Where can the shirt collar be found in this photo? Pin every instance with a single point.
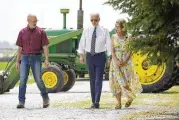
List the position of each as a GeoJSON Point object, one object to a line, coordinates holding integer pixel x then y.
{"type": "Point", "coordinates": [95, 26]}
{"type": "Point", "coordinates": [30, 29]}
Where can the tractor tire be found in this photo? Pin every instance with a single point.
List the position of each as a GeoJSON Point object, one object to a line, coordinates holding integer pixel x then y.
{"type": "Point", "coordinates": [8, 90]}
{"type": "Point", "coordinates": [177, 83]}
{"type": "Point", "coordinates": [53, 78]}
{"type": "Point", "coordinates": [155, 78]}
{"type": "Point", "coordinates": [14, 82]}
{"type": "Point", "coordinates": [173, 79]}
{"type": "Point", "coordinates": [1, 84]}
{"type": "Point", "coordinates": [69, 81]}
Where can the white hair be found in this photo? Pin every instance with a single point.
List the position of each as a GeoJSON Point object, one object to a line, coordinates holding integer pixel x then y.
{"type": "Point", "coordinates": [95, 14]}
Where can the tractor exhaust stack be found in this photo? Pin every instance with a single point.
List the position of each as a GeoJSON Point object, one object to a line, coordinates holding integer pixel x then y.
{"type": "Point", "coordinates": [64, 12]}
{"type": "Point", "coordinates": [80, 17]}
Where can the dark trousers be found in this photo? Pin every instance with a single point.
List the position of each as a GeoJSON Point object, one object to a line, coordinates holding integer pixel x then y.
{"type": "Point", "coordinates": [96, 64]}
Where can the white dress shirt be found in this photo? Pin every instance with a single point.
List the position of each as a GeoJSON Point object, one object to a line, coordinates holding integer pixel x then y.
{"type": "Point", "coordinates": [102, 44]}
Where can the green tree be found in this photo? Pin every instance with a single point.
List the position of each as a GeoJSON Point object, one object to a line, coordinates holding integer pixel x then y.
{"type": "Point", "coordinates": [159, 22]}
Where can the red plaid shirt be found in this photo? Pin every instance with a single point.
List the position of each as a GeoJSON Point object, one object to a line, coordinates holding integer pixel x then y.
{"type": "Point", "coordinates": [32, 40]}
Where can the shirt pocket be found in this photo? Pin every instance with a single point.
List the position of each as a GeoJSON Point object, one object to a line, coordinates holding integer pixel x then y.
{"type": "Point", "coordinates": [37, 41]}
{"type": "Point", "coordinates": [87, 41]}
{"type": "Point", "coordinates": [100, 41]}
{"type": "Point", "coordinates": [25, 40]}
{"type": "Point", "coordinates": [37, 38]}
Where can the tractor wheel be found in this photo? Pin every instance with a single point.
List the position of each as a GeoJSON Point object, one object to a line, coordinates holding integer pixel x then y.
{"type": "Point", "coordinates": [69, 79]}
{"type": "Point", "coordinates": [177, 83]}
{"type": "Point", "coordinates": [1, 84]}
{"type": "Point", "coordinates": [53, 78]}
{"type": "Point", "coordinates": [173, 79]}
{"type": "Point", "coordinates": [155, 78]}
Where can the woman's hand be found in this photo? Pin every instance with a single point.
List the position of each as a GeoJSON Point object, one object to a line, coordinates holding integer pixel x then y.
{"type": "Point", "coordinates": [120, 63]}
{"type": "Point", "coordinates": [123, 63]}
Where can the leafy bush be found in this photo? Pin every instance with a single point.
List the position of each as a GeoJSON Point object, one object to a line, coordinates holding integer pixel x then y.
{"type": "Point", "coordinates": [158, 20]}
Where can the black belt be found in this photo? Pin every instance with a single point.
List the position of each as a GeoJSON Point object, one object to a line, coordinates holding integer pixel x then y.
{"type": "Point", "coordinates": [32, 53]}
{"type": "Point", "coordinates": [96, 53]}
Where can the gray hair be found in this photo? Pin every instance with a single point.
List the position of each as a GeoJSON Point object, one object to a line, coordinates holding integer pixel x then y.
{"type": "Point", "coordinates": [31, 15]}
{"type": "Point", "coordinates": [95, 14]}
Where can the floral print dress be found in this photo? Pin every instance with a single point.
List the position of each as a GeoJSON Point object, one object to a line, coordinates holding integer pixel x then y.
{"type": "Point", "coordinates": [125, 75]}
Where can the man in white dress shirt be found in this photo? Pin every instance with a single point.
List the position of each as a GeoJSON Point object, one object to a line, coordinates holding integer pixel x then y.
{"type": "Point", "coordinates": [95, 40]}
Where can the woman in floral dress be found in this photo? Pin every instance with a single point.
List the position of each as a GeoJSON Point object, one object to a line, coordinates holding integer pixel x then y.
{"type": "Point", "coordinates": [122, 76]}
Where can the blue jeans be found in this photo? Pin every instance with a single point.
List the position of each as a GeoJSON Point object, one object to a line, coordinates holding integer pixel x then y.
{"type": "Point", "coordinates": [33, 62]}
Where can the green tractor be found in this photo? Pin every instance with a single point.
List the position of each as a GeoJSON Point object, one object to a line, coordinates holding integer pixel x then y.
{"type": "Point", "coordinates": [65, 66]}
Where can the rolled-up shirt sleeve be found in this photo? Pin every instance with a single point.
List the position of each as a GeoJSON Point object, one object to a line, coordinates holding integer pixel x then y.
{"type": "Point", "coordinates": [45, 40]}
{"type": "Point", "coordinates": [81, 46]}
{"type": "Point", "coordinates": [19, 40]}
{"type": "Point", "coordinates": [108, 43]}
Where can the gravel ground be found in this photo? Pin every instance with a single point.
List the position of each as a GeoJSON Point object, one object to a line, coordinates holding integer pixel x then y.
{"type": "Point", "coordinates": [34, 111]}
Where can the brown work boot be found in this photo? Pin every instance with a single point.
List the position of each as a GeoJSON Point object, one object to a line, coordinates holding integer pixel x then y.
{"type": "Point", "coordinates": [46, 102]}
{"type": "Point", "coordinates": [20, 106]}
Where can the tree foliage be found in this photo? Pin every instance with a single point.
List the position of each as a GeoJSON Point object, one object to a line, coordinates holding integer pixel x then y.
{"type": "Point", "coordinates": [159, 22]}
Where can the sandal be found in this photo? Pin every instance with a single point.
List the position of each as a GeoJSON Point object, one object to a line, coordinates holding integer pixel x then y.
{"type": "Point", "coordinates": [118, 106]}
{"type": "Point", "coordinates": [128, 103]}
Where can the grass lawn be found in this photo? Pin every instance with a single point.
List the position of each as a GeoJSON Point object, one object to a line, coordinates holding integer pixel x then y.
{"type": "Point", "coordinates": [30, 81]}
{"type": "Point", "coordinates": [2, 65]}
{"type": "Point", "coordinates": [167, 98]}
{"type": "Point", "coordinates": [158, 101]}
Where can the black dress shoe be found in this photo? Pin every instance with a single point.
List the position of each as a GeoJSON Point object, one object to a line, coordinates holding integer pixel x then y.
{"type": "Point", "coordinates": [96, 105]}
{"type": "Point", "coordinates": [20, 106]}
{"type": "Point", "coordinates": [92, 106]}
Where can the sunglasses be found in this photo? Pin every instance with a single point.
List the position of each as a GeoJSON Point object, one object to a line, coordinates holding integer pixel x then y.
{"type": "Point", "coordinates": [95, 20]}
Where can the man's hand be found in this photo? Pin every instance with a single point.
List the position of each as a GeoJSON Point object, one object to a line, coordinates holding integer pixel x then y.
{"type": "Point", "coordinates": [46, 64]}
{"type": "Point", "coordinates": [81, 59]}
{"type": "Point", "coordinates": [45, 48]}
{"type": "Point", "coordinates": [108, 62]}
{"type": "Point", "coordinates": [17, 66]}
{"type": "Point", "coordinates": [18, 59]}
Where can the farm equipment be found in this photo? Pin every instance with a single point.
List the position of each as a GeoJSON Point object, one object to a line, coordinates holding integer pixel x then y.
{"type": "Point", "coordinates": [65, 66]}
